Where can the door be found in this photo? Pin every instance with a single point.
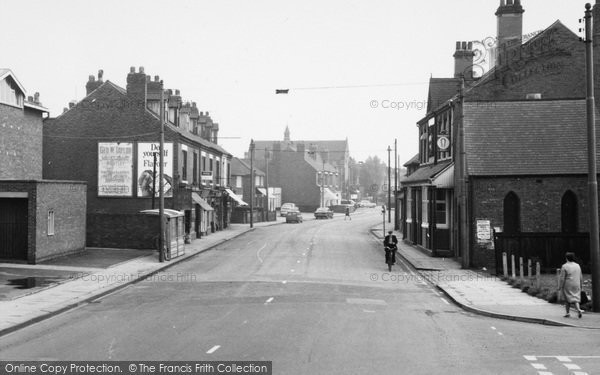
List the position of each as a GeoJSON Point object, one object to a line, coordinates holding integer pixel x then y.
{"type": "Point", "coordinates": [13, 228]}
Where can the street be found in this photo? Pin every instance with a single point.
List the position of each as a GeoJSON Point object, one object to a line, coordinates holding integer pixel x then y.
{"type": "Point", "coordinates": [314, 298]}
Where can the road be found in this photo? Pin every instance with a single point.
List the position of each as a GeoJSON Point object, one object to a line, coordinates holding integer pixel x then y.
{"type": "Point", "coordinates": [314, 298]}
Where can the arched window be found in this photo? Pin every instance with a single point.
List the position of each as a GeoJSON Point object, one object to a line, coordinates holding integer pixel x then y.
{"type": "Point", "coordinates": [568, 212]}
{"type": "Point", "coordinates": [512, 213]}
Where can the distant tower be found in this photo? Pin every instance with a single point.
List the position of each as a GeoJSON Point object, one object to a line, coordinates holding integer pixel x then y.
{"type": "Point", "coordinates": [509, 25]}
{"type": "Point", "coordinates": [286, 134]}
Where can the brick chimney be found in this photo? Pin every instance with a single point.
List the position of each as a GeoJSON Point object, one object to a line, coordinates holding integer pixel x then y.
{"type": "Point", "coordinates": [92, 84]}
{"type": "Point", "coordinates": [509, 25]}
{"type": "Point", "coordinates": [137, 86]}
{"type": "Point", "coordinates": [463, 60]}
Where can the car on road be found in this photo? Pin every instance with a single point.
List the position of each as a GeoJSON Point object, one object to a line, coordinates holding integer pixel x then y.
{"type": "Point", "coordinates": [293, 216]}
{"type": "Point", "coordinates": [366, 203]}
{"type": "Point", "coordinates": [286, 207]}
{"type": "Point", "coordinates": [323, 213]}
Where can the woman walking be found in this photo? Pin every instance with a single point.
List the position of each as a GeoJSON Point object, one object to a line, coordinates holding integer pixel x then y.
{"type": "Point", "coordinates": [570, 284]}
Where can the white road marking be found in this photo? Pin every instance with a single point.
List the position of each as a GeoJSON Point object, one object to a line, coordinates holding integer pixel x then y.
{"type": "Point", "coordinates": [297, 261]}
{"type": "Point", "coordinates": [446, 302]}
{"type": "Point", "coordinates": [500, 333]}
{"type": "Point", "coordinates": [579, 373]}
{"type": "Point", "coordinates": [564, 359]}
{"type": "Point", "coordinates": [494, 328]}
{"type": "Point", "coordinates": [530, 357]}
{"type": "Point", "coordinates": [292, 270]}
{"type": "Point", "coordinates": [284, 282]}
{"type": "Point", "coordinates": [213, 349]}
{"type": "Point", "coordinates": [539, 366]}
{"type": "Point", "coordinates": [571, 366]}
{"type": "Point", "coordinates": [544, 373]}
{"type": "Point", "coordinates": [258, 252]}
{"type": "Point", "coordinates": [368, 311]}
{"type": "Point", "coordinates": [269, 300]}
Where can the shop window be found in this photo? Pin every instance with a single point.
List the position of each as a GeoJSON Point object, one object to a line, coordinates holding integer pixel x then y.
{"type": "Point", "coordinates": [441, 208]}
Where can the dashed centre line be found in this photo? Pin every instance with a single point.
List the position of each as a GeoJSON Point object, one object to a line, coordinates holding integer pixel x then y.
{"type": "Point", "coordinates": [269, 300]}
{"type": "Point", "coordinates": [213, 349]}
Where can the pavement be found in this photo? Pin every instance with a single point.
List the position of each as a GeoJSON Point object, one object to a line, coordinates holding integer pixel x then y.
{"type": "Point", "coordinates": [485, 294]}
{"type": "Point", "coordinates": [32, 293]}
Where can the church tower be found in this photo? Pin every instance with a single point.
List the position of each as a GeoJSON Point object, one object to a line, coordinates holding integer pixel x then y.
{"type": "Point", "coordinates": [286, 134]}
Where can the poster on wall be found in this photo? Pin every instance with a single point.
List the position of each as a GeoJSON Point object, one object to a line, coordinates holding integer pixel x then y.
{"type": "Point", "coordinates": [145, 169]}
{"type": "Point", "coordinates": [115, 169]}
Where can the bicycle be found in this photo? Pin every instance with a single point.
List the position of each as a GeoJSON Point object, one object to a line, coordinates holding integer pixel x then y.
{"type": "Point", "coordinates": [390, 256]}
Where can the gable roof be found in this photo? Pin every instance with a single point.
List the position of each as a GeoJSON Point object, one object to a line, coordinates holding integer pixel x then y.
{"type": "Point", "coordinates": [5, 73]}
{"type": "Point", "coordinates": [526, 137]}
{"type": "Point", "coordinates": [241, 167]}
{"type": "Point", "coordinates": [441, 90]}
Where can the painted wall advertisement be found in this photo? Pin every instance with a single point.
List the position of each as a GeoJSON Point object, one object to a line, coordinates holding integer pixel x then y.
{"type": "Point", "coordinates": [115, 169]}
{"type": "Point", "coordinates": [145, 169]}
{"type": "Point", "coordinates": [485, 233]}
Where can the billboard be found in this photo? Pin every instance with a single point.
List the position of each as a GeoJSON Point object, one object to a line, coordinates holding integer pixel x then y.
{"type": "Point", "coordinates": [115, 169]}
{"type": "Point", "coordinates": [145, 169]}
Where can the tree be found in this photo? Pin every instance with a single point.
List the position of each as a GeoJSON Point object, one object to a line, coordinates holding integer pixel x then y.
{"type": "Point", "coordinates": [372, 175]}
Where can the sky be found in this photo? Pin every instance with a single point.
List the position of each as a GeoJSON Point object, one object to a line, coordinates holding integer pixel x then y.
{"type": "Point", "coordinates": [354, 69]}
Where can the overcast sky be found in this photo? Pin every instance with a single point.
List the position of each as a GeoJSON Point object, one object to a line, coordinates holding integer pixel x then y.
{"type": "Point", "coordinates": [230, 56]}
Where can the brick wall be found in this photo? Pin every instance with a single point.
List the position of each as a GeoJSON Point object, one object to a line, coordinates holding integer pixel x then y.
{"type": "Point", "coordinates": [20, 143]}
{"type": "Point", "coordinates": [123, 231]}
{"type": "Point", "coordinates": [297, 180]}
{"type": "Point", "coordinates": [68, 201]}
{"type": "Point", "coordinates": [540, 205]}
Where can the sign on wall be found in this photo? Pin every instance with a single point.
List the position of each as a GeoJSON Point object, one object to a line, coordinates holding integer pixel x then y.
{"type": "Point", "coordinates": [145, 169]}
{"type": "Point", "coordinates": [115, 169]}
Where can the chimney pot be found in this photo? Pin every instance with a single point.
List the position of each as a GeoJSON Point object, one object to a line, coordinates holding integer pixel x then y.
{"type": "Point", "coordinates": [464, 46]}
{"type": "Point", "coordinates": [148, 79]}
{"type": "Point", "coordinates": [30, 98]}
{"type": "Point", "coordinates": [201, 113]}
{"type": "Point", "coordinates": [194, 104]}
{"type": "Point", "coordinates": [65, 109]}
{"type": "Point", "coordinates": [100, 74]}
{"type": "Point", "coordinates": [141, 70]}
{"type": "Point", "coordinates": [458, 46]}
{"type": "Point", "coordinates": [91, 78]}
{"type": "Point", "coordinates": [470, 46]}
{"type": "Point", "coordinates": [206, 113]}
{"type": "Point", "coordinates": [36, 98]}
{"type": "Point", "coordinates": [132, 69]}
{"type": "Point", "coordinates": [176, 92]}
{"type": "Point", "coordinates": [170, 92]}
{"type": "Point", "coordinates": [71, 104]}
{"type": "Point", "coordinates": [156, 78]}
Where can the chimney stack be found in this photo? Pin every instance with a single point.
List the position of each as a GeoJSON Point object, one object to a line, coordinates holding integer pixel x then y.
{"type": "Point", "coordinates": [510, 27]}
{"type": "Point", "coordinates": [137, 86]}
{"type": "Point", "coordinates": [463, 60]}
{"type": "Point", "coordinates": [92, 84]}
{"type": "Point", "coordinates": [36, 98]}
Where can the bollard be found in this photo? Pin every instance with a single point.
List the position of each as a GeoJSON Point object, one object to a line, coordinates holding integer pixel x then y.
{"type": "Point", "coordinates": [529, 268]}
{"type": "Point", "coordinates": [521, 268]}
{"type": "Point", "coordinates": [512, 266]}
{"type": "Point", "coordinates": [504, 266]}
{"type": "Point", "coordinates": [538, 279]}
{"type": "Point", "coordinates": [557, 278]}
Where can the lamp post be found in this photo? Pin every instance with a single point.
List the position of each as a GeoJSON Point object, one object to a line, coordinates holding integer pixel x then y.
{"type": "Point", "coordinates": [252, 183]}
{"type": "Point", "coordinates": [389, 149]}
{"type": "Point", "coordinates": [396, 211]}
{"type": "Point", "coordinates": [592, 171]}
{"type": "Point", "coordinates": [267, 179]}
{"type": "Point", "coordinates": [161, 184]}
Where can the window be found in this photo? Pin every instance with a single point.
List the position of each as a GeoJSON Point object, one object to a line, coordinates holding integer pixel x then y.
{"type": "Point", "coordinates": [440, 207]}
{"type": "Point", "coordinates": [568, 212]}
{"type": "Point", "coordinates": [238, 181]}
{"type": "Point", "coordinates": [195, 169]}
{"type": "Point", "coordinates": [10, 93]}
{"type": "Point", "coordinates": [51, 222]}
{"type": "Point", "coordinates": [184, 165]}
{"type": "Point", "coordinates": [204, 163]}
{"type": "Point", "coordinates": [512, 216]}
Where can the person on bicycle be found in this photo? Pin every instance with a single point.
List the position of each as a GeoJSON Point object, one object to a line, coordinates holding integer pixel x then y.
{"type": "Point", "coordinates": [390, 243]}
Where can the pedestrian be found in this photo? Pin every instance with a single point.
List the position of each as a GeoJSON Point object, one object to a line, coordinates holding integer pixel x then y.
{"type": "Point", "coordinates": [347, 214]}
{"type": "Point", "coordinates": [390, 244]}
{"type": "Point", "coordinates": [570, 284]}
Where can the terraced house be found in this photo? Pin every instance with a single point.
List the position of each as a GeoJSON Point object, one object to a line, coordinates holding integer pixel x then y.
{"type": "Point", "coordinates": [502, 157]}
{"type": "Point", "coordinates": [110, 139]}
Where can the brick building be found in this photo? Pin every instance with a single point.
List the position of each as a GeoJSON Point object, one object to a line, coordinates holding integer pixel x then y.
{"type": "Point", "coordinates": [39, 219]}
{"type": "Point", "coordinates": [303, 171]}
{"type": "Point", "coordinates": [502, 157]}
{"type": "Point", "coordinates": [110, 139]}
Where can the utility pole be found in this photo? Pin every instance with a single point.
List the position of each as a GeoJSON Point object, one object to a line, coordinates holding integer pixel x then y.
{"type": "Point", "coordinates": [267, 179]}
{"type": "Point", "coordinates": [592, 171]}
{"type": "Point", "coordinates": [323, 186]}
{"type": "Point", "coordinates": [161, 171]}
{"type": "Point", "coordinates": [252, 183]}
{"type": "Point", "coordinates": [389, 149]}
{"type": "Point", "coordinates": [396, 211]}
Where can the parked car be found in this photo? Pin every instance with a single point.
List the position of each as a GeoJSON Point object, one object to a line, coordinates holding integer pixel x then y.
{"type": "Point", "coordinates": [323, 213]}
{"type": "Point", "coordinates": [293, 216]}
{"type": "Point", "coordinates": [366, 203]}
{"type": "Point", "coordinates": [287, 207]}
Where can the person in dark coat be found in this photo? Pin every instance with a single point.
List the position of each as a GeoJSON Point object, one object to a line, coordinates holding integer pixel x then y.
{"type": "Point", "coordinates": [390, 241]}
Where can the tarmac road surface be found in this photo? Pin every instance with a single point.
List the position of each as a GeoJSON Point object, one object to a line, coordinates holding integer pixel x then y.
{"type": "Point", "coordinates": [314, 298]}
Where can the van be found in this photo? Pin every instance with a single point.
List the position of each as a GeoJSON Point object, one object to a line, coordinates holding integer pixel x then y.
{"type": "Point", "coordinates": [286, 207]}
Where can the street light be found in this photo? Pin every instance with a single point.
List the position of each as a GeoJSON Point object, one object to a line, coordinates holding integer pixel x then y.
{"type": "Point", "coordinates": [251, 183]}
{"type": "Point", "coordinates": [389, 149]}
